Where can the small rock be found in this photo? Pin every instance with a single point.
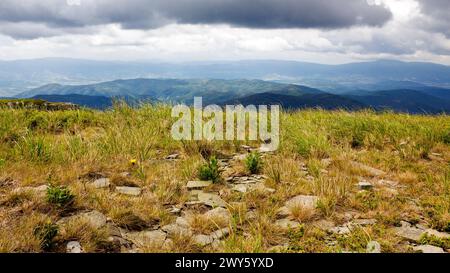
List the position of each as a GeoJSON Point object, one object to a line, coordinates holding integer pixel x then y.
{"type": "Point", "coordinates": [240, 188]}
{"type": "Point", "coordinates": [342, 230]}
{"type": "Point", "coordinates": [182, 222]}
{"type": "Point", "coordinates": [198, 184]}
{"type": "Point", "coordinates": [94, 218]}
{"type": "Point", "coordinates": [221, 233]}
{"type": "Point", "coordinates": [219, 214]}
{"type": "Point", "coordinates": [132, 191]}
{"type": "Point", "coordinates": [210, 199]}
{"type": "Point", "coordinates": [172, 156]}
{"type": "Point", "coordinates": [324, 224]}
{"type": "Point", "coordinates": [262, 188]}
{"type": "Point", "coordinates": [409, 233]}
{"type": "Point", "coordinates": [283, 212]}
{"type": "Point", "coordinates": [428, 249]}
{"type": "Point", "coordinates": [40, 190]}
{"type": "Point", "coordinates": [74, 247]}
{"type": "Point", "coordinates": [246, 147]}
{"type": "Point", "coordinates": [239, 157]}
{"type": "Point", "coordinates": [365, 186]}
{"type": "Point", "coordinates": [101, 183]}
{"type": "Point", "coordinates": [155, 238]}
{"type": "Point", "coordinates": [174, 230]}
{"type": "Point", "coordinates": [287, 224]}
{"type": "Point", "coordinates": [125, 174]}
{"type": "Point", "coordinates": [373, 247]}
{"type": "Point", "coordinates": [437, 234]}
{"type": "Point", "coordinates": [304, 201]}
{"type": "Point", "coordinates": [203, 240]}
{"type": "Point", "coordinates": [174, 210]}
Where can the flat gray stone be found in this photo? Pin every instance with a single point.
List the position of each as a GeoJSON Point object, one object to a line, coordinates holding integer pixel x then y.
{"type": "Point", "coordinates": [428, 249]}
{"type": "Point", "coordinates": [74, 247]}
{"type": "Point", "coordinates": [437, 234]}
{"type": "Point", "coordinates": [240, 188]}
{"type": "Point", "coordinates": [287, 224]}
{"type": "Point", "coordinates": [203, 240]}
{"type": "Point", "coordinates": [219, 213]}
{"type": "Point", "coordinates": [39, 190]}
{"type": "Point", "coordinates": [221, 233]}
{"type": "Point", "coordinates": [198, 184]}
{"type": "Point", "coordinates": [155, 238]}
{"type": "Point", "coordinates": [174, 230]}
{"type": "Point", "coordinates": [131, 191]}
{"type": "Point", "coordinates": [94, 218]}
{"type": "Point", "coordinates": [304, 201]}
{"type": "Point", "coordinates": [373, 247]}
{"type": "Point", "coordinates": [409, 233]}
{"type": "Point", "coordinates": [211, 199]}
{"type": "Point", "coordinates": [101, 183]}
{"type": "Point", "coordinates": [182, 222]}
{"type": "Point", "coordinates": [283, 212]}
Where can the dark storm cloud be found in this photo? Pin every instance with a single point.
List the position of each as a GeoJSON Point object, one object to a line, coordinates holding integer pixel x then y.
{"type": "Point", "coordinates": [437, 14]}
{"type": "Point", "coordinates": [147, 14]}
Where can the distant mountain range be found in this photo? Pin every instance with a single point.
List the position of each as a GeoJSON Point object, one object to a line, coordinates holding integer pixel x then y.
{"type": "Point", "coordinates": [430, 100]}
{"type": "Point", "coordinates": [18, 76]}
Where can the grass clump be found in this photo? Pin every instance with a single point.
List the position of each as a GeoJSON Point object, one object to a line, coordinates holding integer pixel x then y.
{"type": "Point", "coordinates": [210, 171]}
{"type": "Point", "coordinates": [59, 196]}
{"type": "Point", "coordinates": [46, 232]}
{"type": "Point", "coordinates": [253, 163]}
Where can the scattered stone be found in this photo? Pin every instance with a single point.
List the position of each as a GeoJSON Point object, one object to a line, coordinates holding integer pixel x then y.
{"type": "Point", "coordinates": [174, 230]}
{"type": "Point", "coordinates": [101, 183]}
{"type": "Point", "coordinates": [155, 238]}
{"type": "Point", "coordinates": [174, 210]}
{"type": "Point", "coordinates": [428, 249]}
{"type": "Point", "coordinates": [219, 214]}
{"type": "Point", "coordinates": [365, 186]}
{"type": "Point", "coordinates": [211, 199]}
{"type": "Point", "coordinates": [74, 247]}
{"type": "Point", "coordinates": [324, 224]}
{"type": "Point", "coordinates": [132, 191]}
{"type": "Point", "coordinates": [94, 218]}
{"type": "Point", "coordinates": [283, 212]}
{"type": "Point", "coordinates": [363, 222]}
{"type": "Point", "coordinates": [437, 234]}
{"type": "Point", "coordinates": [182, 222]}
{"type": "Point", "coordinates": [342, 230]}
{"type": "Point", "coordinates": [221, 233]}
{"type": "Point", "coordinates": [409, 233]}
{"type": "Point", "coordinates": [370, 170]}
{"type": "Point", "coordinates": [304, 201]}
{"type": "Point", "coordinates": [262, 188]}
{"type": "Point", "coordinates": [286, 224]}
{"type": "Point", "coordinates": [203, 240]}
{"type": "Point", "coordinates": [198, 184]}
{"type": "Point", "coordinates": [240, 188]}
{"type": "Point", "coordinates": [373, 247]}
{"type": "Point", "coordinates": [172, 156]}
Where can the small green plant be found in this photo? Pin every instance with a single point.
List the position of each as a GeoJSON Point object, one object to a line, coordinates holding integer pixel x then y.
{"type": "Point", "coordinates": [46, 232]}
{"type": "Point", "coordinates": [253, 163]}
{"type": "Point", "coordinates": [209, 171]}
{"type": "Point", "coordinates": [59, 196]}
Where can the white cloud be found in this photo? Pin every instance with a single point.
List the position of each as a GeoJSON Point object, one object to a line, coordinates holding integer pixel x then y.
{"type": "Point", "coordinates": [402, 38]}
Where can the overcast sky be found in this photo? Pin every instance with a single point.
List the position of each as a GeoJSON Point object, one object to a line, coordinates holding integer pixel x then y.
{"type": "Point", "coordinates": [323, 31]}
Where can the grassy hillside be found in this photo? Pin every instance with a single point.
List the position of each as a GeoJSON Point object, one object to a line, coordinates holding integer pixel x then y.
{"type": "Point", "coordinates": [50, 192]}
